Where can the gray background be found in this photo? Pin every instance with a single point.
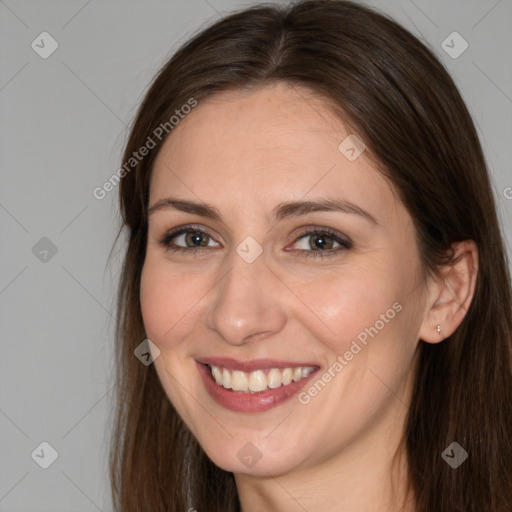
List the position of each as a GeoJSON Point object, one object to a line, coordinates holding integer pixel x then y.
{"type": "Point", "coordinates": [63, 124]}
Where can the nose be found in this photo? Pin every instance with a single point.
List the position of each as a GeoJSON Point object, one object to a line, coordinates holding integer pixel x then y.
{"type": "Point", "coordinates": [246, 305]}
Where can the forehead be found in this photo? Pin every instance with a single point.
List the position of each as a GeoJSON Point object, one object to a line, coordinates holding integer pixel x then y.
{"type": "Point", "coordinates": [263, 146]}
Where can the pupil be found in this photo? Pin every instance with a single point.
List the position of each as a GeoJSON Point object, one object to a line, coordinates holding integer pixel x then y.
{"type": "Point", "coordinates": [196, 238]}
{"type": "Point", "coordinates": [319, 241]}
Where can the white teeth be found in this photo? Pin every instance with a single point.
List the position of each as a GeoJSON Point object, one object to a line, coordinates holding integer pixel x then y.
{"type": "Point", "coordinates": [306, 371]}
{"type": "Point", "coordinates": [274, 378]}
{"type": "Point", "coordinates": [239, 381]}
{"type": "Point", "coordinates": [287, 376]}
{"type": "Point", "coordinates": [259, 380]}
{"type": "Point", "coordinates": [226, 379]}
{"type": "Point", "coordinates": [217, 375]}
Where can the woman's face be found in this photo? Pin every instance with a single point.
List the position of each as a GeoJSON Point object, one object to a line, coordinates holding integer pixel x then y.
{"type": "Point", "coordinates": [302, 292]}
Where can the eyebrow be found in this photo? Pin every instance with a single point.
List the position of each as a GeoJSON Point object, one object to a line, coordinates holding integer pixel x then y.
{"type": "Point", "coordinates": [281, 211]}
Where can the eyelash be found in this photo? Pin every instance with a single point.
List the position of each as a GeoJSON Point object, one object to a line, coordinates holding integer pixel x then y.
{"type": "Point", "coordinates": [345, 243]}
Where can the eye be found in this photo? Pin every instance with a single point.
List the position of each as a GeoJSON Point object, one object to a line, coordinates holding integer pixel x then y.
{"type": "Point", "coordinates": [321, 243]}
{"type": "Point", "coordinates": [196, 240]}
{"type": "Point", "coordinates": [193, 238]}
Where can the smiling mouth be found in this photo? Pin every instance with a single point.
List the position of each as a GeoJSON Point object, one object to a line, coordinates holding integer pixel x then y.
{"type": "Point", "coordinates": [259, 380]}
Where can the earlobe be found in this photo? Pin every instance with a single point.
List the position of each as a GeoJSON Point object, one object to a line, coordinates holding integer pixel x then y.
{"type": "Point", "coordinates": [449, 299]}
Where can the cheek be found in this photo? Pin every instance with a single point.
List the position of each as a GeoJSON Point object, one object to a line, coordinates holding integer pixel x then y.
{"type": "Point", "coordinates": [167, 306]}
{"type": "Point", "coordinates": [348, 301]}
{"type": "Point", "coordinates": [158, 301]}
{"type": "Point", "coordinates": [170, 301]}
{"type": "Point", "coordinates": [336, 305]}
{"type": "Point", "coordinates": [152, 301]}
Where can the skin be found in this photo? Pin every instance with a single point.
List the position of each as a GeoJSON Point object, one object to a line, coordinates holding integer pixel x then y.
{"type": "Point", "coordinates": [245, 153]}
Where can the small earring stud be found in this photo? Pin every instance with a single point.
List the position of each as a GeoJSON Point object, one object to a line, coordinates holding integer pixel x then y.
{"type": "Point", "coordinates": [438, 329]}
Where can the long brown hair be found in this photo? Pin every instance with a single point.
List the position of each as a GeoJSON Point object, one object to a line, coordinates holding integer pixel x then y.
{"type": "Point", "coordinates": [393, 92]}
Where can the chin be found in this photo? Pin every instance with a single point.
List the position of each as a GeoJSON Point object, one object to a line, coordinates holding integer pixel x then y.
{"type": "Point", "coordinates": [255, 457]}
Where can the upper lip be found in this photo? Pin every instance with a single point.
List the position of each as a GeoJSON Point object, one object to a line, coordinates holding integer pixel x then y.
{"type": "Point", "coordinates": [251, 365]}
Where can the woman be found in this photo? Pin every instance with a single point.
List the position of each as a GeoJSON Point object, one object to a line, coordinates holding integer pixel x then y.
{"type": "Point", "coordinates": [314, 254]}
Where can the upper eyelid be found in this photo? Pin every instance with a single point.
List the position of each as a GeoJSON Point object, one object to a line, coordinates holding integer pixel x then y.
{"type": "Point", "coordinates": [186, 228]}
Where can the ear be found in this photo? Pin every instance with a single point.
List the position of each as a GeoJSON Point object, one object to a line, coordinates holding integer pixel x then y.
{"type": "Point", "coordinates": [449, 299]}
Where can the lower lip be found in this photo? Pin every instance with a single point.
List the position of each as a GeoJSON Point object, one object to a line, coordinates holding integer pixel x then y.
{"type": "Point", "coordinates": [250, 402]}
